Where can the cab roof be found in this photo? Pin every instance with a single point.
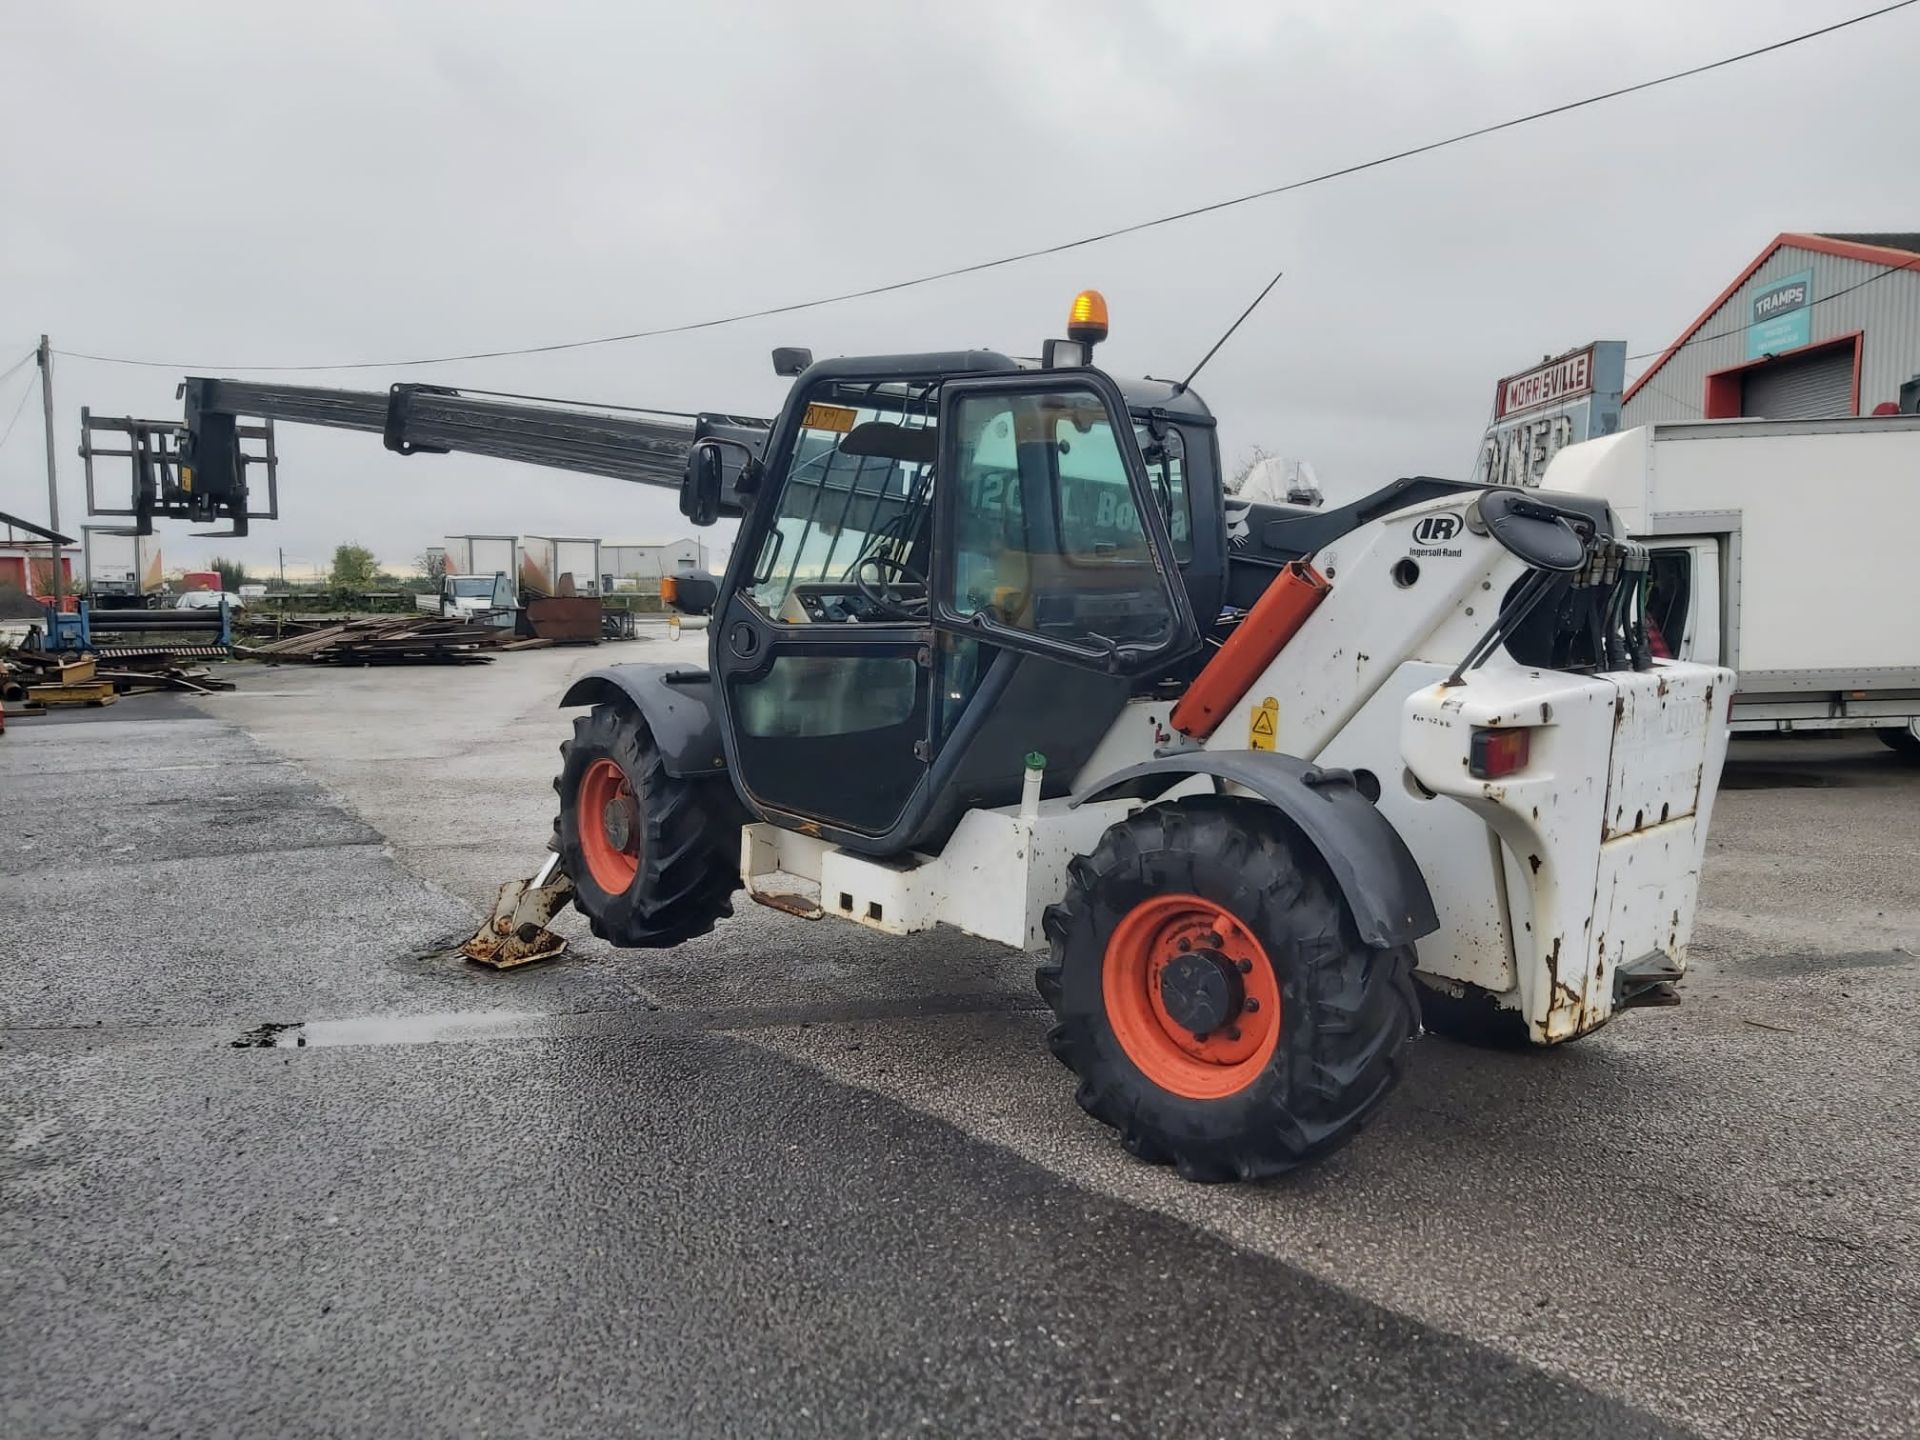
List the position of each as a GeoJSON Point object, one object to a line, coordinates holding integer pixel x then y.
{"type": "Point", "coordinates": [1140, 394]}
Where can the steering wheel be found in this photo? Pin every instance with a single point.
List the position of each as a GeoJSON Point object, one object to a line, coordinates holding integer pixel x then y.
{"type": "Point", "coordinates": [885, 591]}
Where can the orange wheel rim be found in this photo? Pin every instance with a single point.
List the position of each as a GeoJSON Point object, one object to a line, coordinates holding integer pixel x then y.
{"type": "Point", "coordinates": [1191, 996]}
{"type": "Point", "coordinates": [609, 827]}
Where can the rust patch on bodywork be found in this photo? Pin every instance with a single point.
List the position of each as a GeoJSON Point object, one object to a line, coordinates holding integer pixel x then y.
{"type": "Point", "coordinates": [1563, 998]}
{"type": "Point", "coordinates": [800, 906]}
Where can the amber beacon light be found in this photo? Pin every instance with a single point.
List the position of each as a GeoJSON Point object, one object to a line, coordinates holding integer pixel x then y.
{"type": "Point", "coordinates": [1087, 320]}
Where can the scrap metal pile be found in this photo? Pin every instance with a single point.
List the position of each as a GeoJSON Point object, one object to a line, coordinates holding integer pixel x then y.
{"type": "Point", "coordinates": [384, 640]}
{"type": "Point", "coordinates": [33, 681]}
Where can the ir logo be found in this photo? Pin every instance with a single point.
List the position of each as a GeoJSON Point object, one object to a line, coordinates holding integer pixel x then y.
{"type": "Point", "coordinates": [1436, 529]}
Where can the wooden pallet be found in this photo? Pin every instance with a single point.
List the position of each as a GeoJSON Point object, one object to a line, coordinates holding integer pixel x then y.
{"type": "Point", "coordinates": [399, 640]}
{"type": "Point", "coordinates": [68, 672]}
{"type": "Point", "coordinates": [93, 692]}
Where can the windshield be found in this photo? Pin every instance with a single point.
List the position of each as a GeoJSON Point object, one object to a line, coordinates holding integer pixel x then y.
{"type": "Point", "coordinates": [473, 587]}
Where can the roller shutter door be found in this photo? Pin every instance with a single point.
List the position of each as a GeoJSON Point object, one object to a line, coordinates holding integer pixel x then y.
{"type": "Point", "coordinates": [1804, 388]}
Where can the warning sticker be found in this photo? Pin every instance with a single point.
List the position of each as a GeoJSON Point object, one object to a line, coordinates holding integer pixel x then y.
{"type": "Point", "coordinates": [838, 418]}
{"type": "Point", "coordinates": [1263, 724]}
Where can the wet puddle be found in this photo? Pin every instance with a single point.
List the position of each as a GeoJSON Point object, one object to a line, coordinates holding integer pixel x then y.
{"type": "Point", "coordinates": [454, 1025]}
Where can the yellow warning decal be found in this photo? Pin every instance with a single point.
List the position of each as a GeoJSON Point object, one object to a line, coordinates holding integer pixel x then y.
{"type": "Point", "coordinates": [838, 418]}
{"type": "Point", "coordinates": [1263, 724]}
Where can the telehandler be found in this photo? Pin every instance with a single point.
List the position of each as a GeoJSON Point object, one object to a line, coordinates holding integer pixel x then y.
{"type": "Point", "coordinates": [996, 650]}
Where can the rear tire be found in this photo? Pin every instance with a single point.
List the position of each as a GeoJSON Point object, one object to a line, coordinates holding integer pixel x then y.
{"type": "Point", "coordinates": [1134, 967]}
{"type": "Point", "coordinates": [1902, 741]}
{"type": "Point", "coordinates": [653, 858]}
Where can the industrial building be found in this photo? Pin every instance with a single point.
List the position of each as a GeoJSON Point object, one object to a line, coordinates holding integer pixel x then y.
{"type": "Point", "coordinates": [1818, 325]}
{"type": "Point", "coordinates": [627, 563]}
{"type": "Point", "coordinates": [23, 558]}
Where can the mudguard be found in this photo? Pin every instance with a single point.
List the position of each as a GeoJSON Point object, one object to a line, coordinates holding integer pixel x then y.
{"type": "Point", "coordinates": [677, 704]}
{"type": "Point", "coordinates": [1375, 871]}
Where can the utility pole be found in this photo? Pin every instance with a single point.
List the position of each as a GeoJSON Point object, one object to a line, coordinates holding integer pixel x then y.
{"type": "Point", "coordinates": [53, 474]}
{"type": "Point", "coordinates": [283, 567]}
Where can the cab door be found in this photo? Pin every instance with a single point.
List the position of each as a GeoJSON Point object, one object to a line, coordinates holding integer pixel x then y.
{"type": "Point", "coordinates": [821, 647]}
{"type": "Point", "coordinates": [1683, 601]}
{"type": "Point", "coordinates": [1050, 538]}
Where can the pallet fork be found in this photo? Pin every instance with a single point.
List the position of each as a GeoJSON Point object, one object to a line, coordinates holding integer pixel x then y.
{"type": "Point", "coordinates": [516, 934]}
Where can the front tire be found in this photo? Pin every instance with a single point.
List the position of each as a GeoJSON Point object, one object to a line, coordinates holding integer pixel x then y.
{"type": "Point", "coordinates": [653, 858]}
{"type": "Point", "coordinates": [1214, 997]}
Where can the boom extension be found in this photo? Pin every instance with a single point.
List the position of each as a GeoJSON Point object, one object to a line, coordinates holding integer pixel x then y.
{"type": "Point", "coordinates": [198, 471]}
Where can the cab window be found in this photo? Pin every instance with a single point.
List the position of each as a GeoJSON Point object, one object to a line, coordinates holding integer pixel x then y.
{"type": "Point", "coordinates": [1047, 538]}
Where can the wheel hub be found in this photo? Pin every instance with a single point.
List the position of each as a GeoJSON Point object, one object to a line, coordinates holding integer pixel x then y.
{"type": "Point", "coordinates": [609, 826]}
{"type": "Point", "coordinates": [1202, 991]}
{"type": "Point", "coordinates": [617, 820]}
{"type": "Point", "coordinates": [1191, 995]}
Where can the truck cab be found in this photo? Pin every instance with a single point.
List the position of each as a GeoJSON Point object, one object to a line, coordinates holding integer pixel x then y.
{"type": "Point", "coordinates": [469, 596]}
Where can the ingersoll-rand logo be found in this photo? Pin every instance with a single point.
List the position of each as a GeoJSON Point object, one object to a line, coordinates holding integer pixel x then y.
{"type": "Point", "coordinates": [1431, 534]}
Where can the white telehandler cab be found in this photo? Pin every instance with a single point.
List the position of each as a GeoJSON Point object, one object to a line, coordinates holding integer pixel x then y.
{"type": "Point", "coordinates": [1268, 785]}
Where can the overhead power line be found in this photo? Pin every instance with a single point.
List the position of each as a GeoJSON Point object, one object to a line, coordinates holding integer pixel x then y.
{"type": "Point", "coordinates": [7, 434]}
{"type": "Point", "coordinates": [1045, 250]}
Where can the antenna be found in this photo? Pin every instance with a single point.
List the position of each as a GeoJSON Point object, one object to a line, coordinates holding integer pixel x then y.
{"type": "Point", "coordinates": [1181, 388]}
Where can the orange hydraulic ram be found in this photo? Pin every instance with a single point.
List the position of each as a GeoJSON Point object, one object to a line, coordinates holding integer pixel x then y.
{"type": "Point", "coordinates": [1274, 620]}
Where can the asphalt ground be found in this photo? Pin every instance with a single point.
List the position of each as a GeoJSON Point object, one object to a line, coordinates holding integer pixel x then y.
{"type": "Point", "coordinates": [798, 1178]}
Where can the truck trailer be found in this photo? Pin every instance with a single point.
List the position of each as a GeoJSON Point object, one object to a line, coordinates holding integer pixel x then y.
{"type": "Point", "coordinates": [483, 555]}
{"type": "Point", "coordinates": [552, 565]}
{"type": "Point", "coordinates": [123, 569]}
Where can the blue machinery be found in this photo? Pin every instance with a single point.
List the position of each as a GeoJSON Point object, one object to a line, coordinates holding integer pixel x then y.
{"type": "Point", "coordinates": [122, 630]}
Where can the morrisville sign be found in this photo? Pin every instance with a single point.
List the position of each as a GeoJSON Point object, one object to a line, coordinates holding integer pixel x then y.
{"type": "Point", "coordinates": [1559, 402]}
{"type": "Point", "coordinates": [1560, 379]}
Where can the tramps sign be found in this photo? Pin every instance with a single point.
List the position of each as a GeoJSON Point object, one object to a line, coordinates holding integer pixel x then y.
{"type": "Point", "coordinates": [1782, 317]}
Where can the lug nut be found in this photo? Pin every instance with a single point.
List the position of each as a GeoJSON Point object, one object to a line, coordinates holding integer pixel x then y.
{"type": "Point", "coordinates": [1233, 1032]}
{"type": "Point", "coordinates": [1213, 939]}
{"type": "Point", "coordinates": [1245, 967]}
{"type": "Point", "coordinates": [1185, 946]}
{"type": "Point", "coordinates": [1250, 1004]}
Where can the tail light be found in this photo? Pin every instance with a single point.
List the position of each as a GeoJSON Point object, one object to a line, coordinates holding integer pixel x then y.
{"type": "Point", "coordinates": [1498, 753]}
{"type": "Point", "coordinates": [669, 590]}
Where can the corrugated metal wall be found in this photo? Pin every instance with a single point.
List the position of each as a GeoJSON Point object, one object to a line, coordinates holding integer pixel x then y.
{"type": "Point", "coordinates": [1887, 310]}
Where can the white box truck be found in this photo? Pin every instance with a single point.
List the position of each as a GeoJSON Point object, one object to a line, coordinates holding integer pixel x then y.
{"type": "Point", "coordinates": [122, 569]}
{"type": "Point", "coordinates": [1783, 549]}
{"type": "Point", "coordinates": [478, 577]}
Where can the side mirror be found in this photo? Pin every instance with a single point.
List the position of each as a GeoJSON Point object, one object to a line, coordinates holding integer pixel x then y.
{"type": "Point", "coordinates": [791, 360]}
{"type": "Point", "coordinates": [701, 485]}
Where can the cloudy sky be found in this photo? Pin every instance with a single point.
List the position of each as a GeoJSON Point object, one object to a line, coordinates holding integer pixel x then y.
{"type": "Point", "coordinates": [218, 185]}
